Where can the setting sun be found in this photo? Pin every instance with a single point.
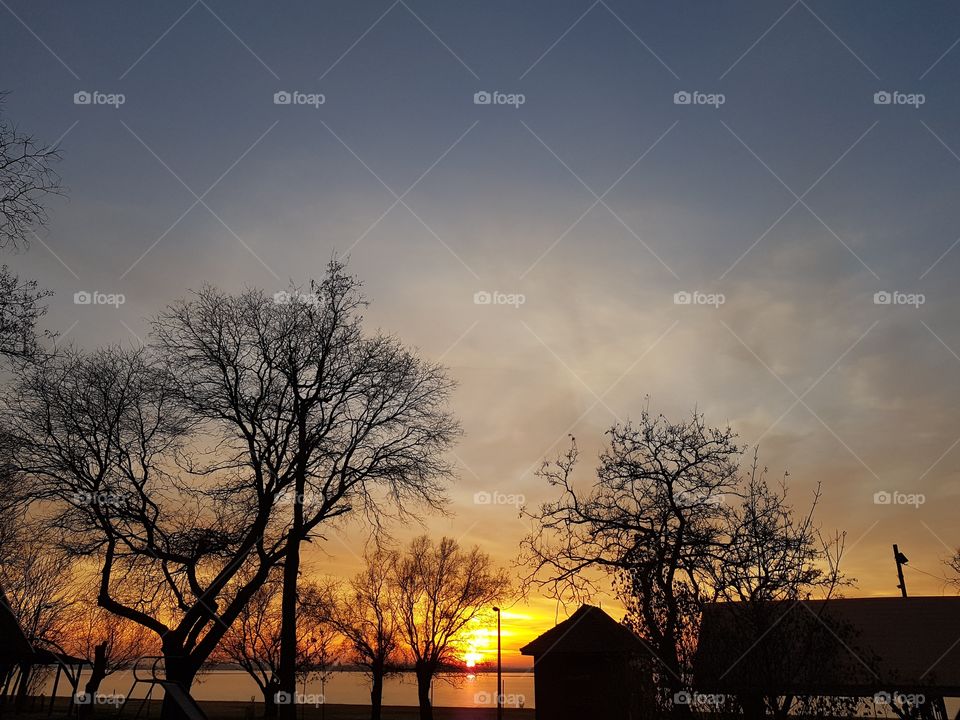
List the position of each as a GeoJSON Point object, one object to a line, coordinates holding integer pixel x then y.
{"type": "Point", "coordinates": [480, 646]}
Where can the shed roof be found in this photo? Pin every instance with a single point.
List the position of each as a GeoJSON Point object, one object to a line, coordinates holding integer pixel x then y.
{"type": "Point", "coordinates": [850, 646]}
{"type": "Point", "coordinates": [14, 646]}
{"type": "Point", "coordinates": [588, 630]}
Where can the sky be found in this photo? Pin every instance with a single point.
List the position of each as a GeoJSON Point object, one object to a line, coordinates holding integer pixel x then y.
{"type": "Point", "coordinates": [531, 193]}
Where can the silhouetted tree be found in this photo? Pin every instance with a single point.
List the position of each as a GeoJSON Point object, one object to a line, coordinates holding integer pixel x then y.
{"type": "Point", "coordinates": [109, 643]}
{"type": "Point", "coordinates": [100, 434]}
{"type": "Point", "coordinates": [37, 584]}
{"type": "Point", "coordinates": [773, 558]}
{"type": "Point", "coordinates": [653, 519]}
{"type": "Point", "coordinates": [365, 613]}
{"type": "Point", "coordinates": [15, 494]}
{"type": "Point", "coordinates": [673, 521]}
{"type": "Point", "coordinates": [306, 401]}
{"type": "Point", "coordinates": [253, 641]}
{"type": "Point", "coordinates": [190, 469]}
{"type": "Point", "coordinates": [26, 177]}
{"type": "Point", "coordinates": [440, 589]}
{"type": "Point", "coordinates": [953, 567]}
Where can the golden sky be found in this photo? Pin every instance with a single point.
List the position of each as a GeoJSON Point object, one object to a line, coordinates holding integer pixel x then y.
{"type": "Point", "coordinates": [798, 200]}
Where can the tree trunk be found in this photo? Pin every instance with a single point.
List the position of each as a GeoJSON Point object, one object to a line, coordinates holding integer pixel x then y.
{"type": "Point", "coordinates": [753, 707]}
{"type": "Point", "coordinates": [287, 669]}
{"type": "Point", "coordinates": [376, 693]}
{"type": "Point", "coordinates": [182, 671]}
{"type": "Point", "coordinates": [270, 698]}
{"type": "Point", "coordinates": [424, 677]}
{"type": "Point", "coordinates": [98, 672]}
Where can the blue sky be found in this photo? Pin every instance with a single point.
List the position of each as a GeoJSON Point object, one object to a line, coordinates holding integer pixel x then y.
{"type": "Point", "coordinates": [597, 199]}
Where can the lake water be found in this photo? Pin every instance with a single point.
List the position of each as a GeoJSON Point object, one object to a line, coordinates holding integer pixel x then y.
{"type": "Point", "coordinates": [352, 688]}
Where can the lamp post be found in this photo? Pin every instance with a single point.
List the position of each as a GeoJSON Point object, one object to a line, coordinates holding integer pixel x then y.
{"type": "Point", "coordinates": [499, 671]}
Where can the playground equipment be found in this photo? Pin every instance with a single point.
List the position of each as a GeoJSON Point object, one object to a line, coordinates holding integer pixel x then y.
{"type": "Point", "coordinates": [149, 671]}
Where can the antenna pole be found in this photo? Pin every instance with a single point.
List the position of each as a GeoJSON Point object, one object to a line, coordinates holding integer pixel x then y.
{"type": "Point", "coordinates": [900, 559]}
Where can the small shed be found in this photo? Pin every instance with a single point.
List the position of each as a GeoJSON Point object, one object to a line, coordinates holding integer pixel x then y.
{"type": "Point", "coordinates": [589, 666]}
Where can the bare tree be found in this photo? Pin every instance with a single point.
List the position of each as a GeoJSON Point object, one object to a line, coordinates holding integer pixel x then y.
{"type": "Point", "coordinates": [365, 613]}
{"type": "Point", "coordinates": [304, 400]}
{"type": "Point", "coordinates": [14, 501]}
{"type": "Point", "coordinates": [773, 558]}
{"type": "Point", "coordinates": [109, 643]}
{"type": "Point", "coordinates": [253, 642]}
{"type": "Point", "coordinates": [189, 475]}
{"type": "Point", "coordinates": [100, 435]}
{"type": "Point", "coordinates": [673, 521]}
{"type": "Point", "coordinates": [440, 589]}
{"type": "Point", "coordinates": [21, 306]}
{"type": "Point", "coordinates": [26, 178]}
{"type": "Point", "coordinates": [37, 584]}
{"type": "Point", "coordinates": [953, 566]}
{"type": "Point", "coordinates": [323, 646]}
{"type": "Point", "coordinates": [653, 520]}
{"type": "Point", "coordinates": [772, 553]}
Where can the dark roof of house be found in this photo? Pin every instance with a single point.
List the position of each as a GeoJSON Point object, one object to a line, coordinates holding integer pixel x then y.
{"type": "Point", "coordinates": [854, 646]}
{"type": "Point", "coordinates": [14, 646]}
{"type": "Point", "coordinates": [44, 656]}
{"type": "Point", "coordinates": [588, 630]}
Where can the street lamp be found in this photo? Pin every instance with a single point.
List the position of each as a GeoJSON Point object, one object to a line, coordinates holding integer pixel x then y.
{"type": "Point", "coordinates": [499, 671]}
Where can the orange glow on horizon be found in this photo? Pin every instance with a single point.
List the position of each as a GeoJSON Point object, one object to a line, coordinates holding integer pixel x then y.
{"type": "Point", "coordinates": [517, 628]}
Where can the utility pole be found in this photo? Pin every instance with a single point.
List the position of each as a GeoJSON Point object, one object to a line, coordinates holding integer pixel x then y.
{"type": "Point", "coordinates": [901, 560]}
{"type": "Point", "coordinates": [499, 672]}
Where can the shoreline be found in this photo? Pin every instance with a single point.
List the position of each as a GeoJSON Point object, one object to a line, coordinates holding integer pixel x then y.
{"type": "Point", "coordinates": [36, 707]}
